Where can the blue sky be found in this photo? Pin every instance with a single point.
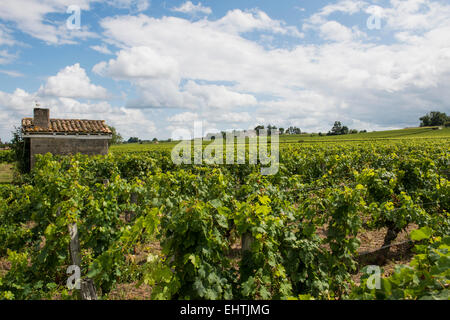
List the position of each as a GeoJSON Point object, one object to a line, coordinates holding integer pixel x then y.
{"type": "Point", "coordinates": [153, 68]}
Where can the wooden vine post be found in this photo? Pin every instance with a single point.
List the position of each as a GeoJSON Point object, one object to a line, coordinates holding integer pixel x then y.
{"type": "Point", "coordinates": [246, 247]}
{"type": "Point", "coordinates": [246, 242]}
{"type": "Point", "coordinates": [87, 289]}
{"type": "Point", "coordinates": [129, 215]}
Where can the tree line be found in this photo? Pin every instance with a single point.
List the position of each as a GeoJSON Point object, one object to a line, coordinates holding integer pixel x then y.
{"type": "Point", "coordinates": [431, 119]}
{"type": "Point", "coordinates": [435, 118]}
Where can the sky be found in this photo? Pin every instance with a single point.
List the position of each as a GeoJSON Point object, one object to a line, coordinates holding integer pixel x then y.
{"type": "Point", "coordinates": [152, 68]}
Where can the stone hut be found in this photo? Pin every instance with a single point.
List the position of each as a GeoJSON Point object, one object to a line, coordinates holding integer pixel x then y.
{"type": "Point", "coordinates": [63, 136]}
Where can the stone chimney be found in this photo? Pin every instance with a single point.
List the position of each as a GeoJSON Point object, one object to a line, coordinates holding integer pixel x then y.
{"type": "Point", "coordinates": [41, 117]}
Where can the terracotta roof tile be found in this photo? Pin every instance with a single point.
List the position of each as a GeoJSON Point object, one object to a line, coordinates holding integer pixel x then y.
{"type": "Point", "coordinates": [67, 126]}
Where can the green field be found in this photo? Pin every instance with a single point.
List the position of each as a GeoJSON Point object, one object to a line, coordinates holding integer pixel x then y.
{"type": "Point", "coordinates": [6, 173]}
{"type": "Point", "coordinates": [410, 133]}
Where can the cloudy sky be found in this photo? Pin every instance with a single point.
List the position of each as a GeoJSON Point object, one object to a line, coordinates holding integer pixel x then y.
{"type": "Point", "coordinates": [150, 67]}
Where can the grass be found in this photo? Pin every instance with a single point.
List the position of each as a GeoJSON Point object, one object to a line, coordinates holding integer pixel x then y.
{"type": "Point", "coordinates": [136, 147]}
{"type": "Point", "coordinates": [410, 133]}
{"type": "Point", "coordinates": [6, 172]}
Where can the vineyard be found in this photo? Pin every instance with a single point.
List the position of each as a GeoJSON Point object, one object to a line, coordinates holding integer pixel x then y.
{"type": "Point", "coordinates": [228, 232]}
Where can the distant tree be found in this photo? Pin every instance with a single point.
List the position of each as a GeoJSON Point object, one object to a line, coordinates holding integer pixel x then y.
{"type": "Point", "coordinates": [133, 140]}
{"type": "Point", "coordinates": [434, 118]}
{"type": "Point", "coordinates": [258, 127]}
{"type": "Point", "coordinates": [363, 131]}
{"type": "Point", "coordinates": [337, 128]}
{"type": "Point", "coordinates": [281, 130]}
{"type": "Point", "coordinates": [353, 131]}
{"type": "Point", "coordinates": [293, 130]}
{"type": "Point", "coordinates": [116, 137]}
{"type": "Point", "coordinates": [425, 121]}
{"type": "Point", "coordinates": [271, 129]}
{"type": "Point", "coordinates": [154, 140]}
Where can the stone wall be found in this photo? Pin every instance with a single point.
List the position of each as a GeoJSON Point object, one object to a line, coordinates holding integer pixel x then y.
{"type": "Point", "coordinates": [66, 146]}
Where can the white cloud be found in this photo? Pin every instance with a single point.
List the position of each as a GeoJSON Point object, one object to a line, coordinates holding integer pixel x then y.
{"type": "Point", "coordinates": [218, 97]}
{"type": "Point", "coordinates": [345, 6]}
{"type": "Point", "coordinates": [6, 39]}
{"type": "Point", "coordinates": [349, 7]}
{"type": "Point", "coordinates": [413, 15]}
{"type": "Point", "coordinates": [138, 62]}
{"type": "Point", "coordinates": [333, 30]}
{"type": "Point", "coordinates": [238, 21]}
{"type": "Point", "coordinates": [312, 85]}
{"type": "Point", "coordinates": [158, 80]}
{"type": "Point", "coordinates": [6, 57]}
{"type": "Point", "coordinates": [190, 8]}
{"type": "Point", "coordinates": [19, 101]}
{"type": "Point", "coordinates": [12, 73]}
{"type": "Point", "coordinates": [102, 49]}
{"type": "Point", "coordinates": [169, 93]}
{"type": "Point", "coordinates": [30, 17]}
{"type": "Point", "coordinates": [139, 5]}
{"type": "Point", "coordinates": [5, 36]}
{"type": "Point", "coordinates": [72, 82]}
{"type": "Point", "coordinates": [184, 117]}
{"type": "Point", "coordinates": [161, 93]}
{"type": "Point", "coordinates": [233, 118]}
